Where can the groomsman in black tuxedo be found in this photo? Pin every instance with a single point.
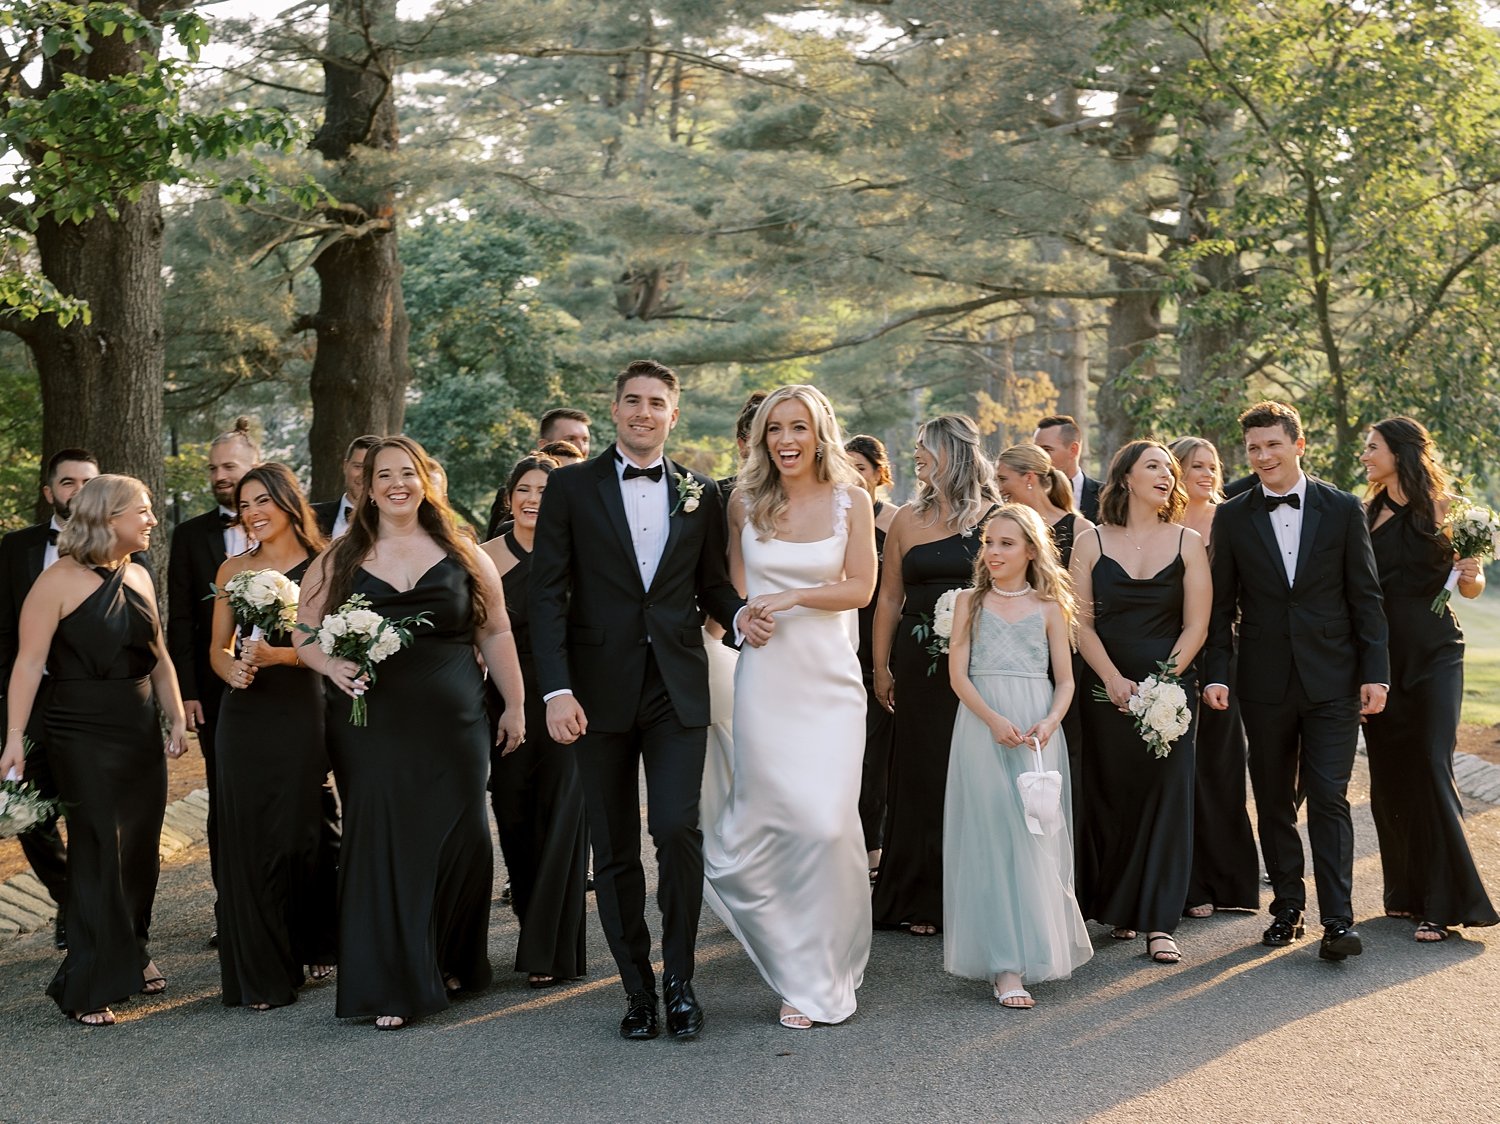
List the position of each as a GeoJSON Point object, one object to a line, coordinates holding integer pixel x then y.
{"type": "Point", "coordinates": [24, 555]}
{"type": "Point", "coordinates": [1062, 440]}
{"type": "Point", "coordinates": [629, 545]}
{"type": "Point", "coordinates": [199, 545]}
{"type": "Point", "coordinates": [1292, 561]}
{"type": "Point", "coordinates": [333, 515]}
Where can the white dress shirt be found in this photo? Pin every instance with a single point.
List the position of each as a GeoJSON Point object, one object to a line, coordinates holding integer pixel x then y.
{"type": "Point", "coordinates": [646, 513]}
{"type": "Point", "coordinates": [1078, 478]}
{"type": "Point", "coordinates": [49, 556]}
{"type": "Point", "coordinates": [1286, 522]}
{"type": "Point", "coordinates": [236, 541]}
{"type": "Point", "coordinates": [341, 520]}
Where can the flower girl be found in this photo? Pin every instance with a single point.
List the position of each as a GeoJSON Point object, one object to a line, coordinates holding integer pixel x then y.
{"type": "Point", "coordinates": [1009, 915]}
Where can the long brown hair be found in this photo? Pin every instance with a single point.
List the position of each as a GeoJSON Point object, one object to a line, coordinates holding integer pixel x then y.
{"type": "Point", "coordinates": [281, 485]}
{"type": "Point", "coordinates": [348, 553]}
{"type": "Point", "coordinates": [1114, 496]}
{"type": "Point", "coordinates": [1417, 471]}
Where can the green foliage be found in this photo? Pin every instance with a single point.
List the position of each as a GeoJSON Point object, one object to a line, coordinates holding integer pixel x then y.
{"type": "Point", "coordinates": [20, 439]}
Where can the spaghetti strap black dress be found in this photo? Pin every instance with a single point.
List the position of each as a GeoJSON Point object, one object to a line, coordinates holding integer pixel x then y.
{"type": "Point", "coordinates": [271, 759]}
{"type": "Point", "coordinates": [1137, 828]}
{"type": "Point", "coordinates": [538, 802]}
{"type": "Point", "coordinates": [105, 748]}
{"type": "Point", "coordinates": [416, 863]}
{"type": "Point", "coordinates": [875, 774]}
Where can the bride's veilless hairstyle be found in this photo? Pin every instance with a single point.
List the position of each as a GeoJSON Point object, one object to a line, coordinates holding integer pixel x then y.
{"type": "Point", "coordinates": [1114, 496]}
{"type": "Point", "coordinates": [962, 475]}
{"type": "Point", "coordinates": [760, 480]}
{"type": "Point", "coordinates": [1417, 471]}
{"type": "Point", "coordinates": [87, 535]}
{"type": "Point", "coordinates": [281, 485]}
{"type": "Point", "coordinates": [1049, 581]}
{"type": "Point", "coordinates": [436, 517]}
{"type": "Point", "coordinates": [1026, 457]}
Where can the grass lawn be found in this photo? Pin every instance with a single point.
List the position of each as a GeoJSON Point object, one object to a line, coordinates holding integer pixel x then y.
{"type": "Point", "coordinates": [1481, 624]}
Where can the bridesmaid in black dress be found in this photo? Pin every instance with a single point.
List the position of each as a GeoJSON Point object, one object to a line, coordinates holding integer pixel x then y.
{"type": "Point", "coordinates": [1025, 474]}
{"type": "Point", "coordinates": [869, 458]}
{"type": "Point", "coordinates": [534, 788]}
{"type": "Point", "coordinates": [1144, 592]}
{"type": "Point", "coordinates": [1226, 865]}
{"type": "Point", "coordinates": [416, 863]}
{"type": "Point", "coordinates": [1429, 871]}
{"type": "Point", "coordinates": [275, 913]}
{"type": "Point", "coordinates": [929, 550]}
{"type": "Point", "coordinates": [91, 622]}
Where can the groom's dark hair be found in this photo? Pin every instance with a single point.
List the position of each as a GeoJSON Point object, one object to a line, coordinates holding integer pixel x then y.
{"type": "Point", "coordinates": [647, 369]}
{"type": "Point", "coordinates": [1263, 415]}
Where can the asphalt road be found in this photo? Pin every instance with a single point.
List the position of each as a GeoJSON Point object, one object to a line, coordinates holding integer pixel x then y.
{"type": "Point", "coordinates": [1236, 1033]}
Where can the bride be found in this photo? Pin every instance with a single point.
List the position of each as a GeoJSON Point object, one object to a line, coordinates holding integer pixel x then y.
{"type": "Point", "coordinates": [784, 850]}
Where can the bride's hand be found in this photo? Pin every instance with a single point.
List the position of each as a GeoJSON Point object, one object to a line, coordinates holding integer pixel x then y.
{"type": "Point", "coordinates": [769, 604]}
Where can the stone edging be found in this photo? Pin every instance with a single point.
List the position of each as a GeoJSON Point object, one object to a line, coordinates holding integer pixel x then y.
{"type": "Point", "coordinates": [25, 905]}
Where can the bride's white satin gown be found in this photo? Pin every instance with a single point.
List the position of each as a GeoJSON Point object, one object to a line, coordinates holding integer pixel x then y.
{"type": "Point", "coordinates": [784, 853]}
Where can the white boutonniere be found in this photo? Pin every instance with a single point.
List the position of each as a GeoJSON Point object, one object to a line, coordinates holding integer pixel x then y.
{"type": "Point", "coordinates": [689, 492]}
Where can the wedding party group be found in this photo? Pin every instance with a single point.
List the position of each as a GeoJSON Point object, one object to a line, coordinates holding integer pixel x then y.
{"type": "Point", "coordinates": [1023, 701]}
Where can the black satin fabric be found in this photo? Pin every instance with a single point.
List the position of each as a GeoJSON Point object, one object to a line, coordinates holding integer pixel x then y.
{"type": "Point", "coordinates": [416, 862]}
{"type": "Point", "coordinates": [275, 912]}
{"type": "Point", "coordinates": [105, 748]}
{"type": "Point", "coordinates": [1424, 853]}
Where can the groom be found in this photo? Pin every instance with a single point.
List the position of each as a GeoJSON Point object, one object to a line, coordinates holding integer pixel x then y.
{"type": "Point", "coordinates": [628, 547]}
{"type": "Point", "coordinates": [1292, 559]}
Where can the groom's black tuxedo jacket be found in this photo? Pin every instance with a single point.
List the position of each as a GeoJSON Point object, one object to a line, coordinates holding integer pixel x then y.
{"type": "Point", "coordinates": [1328, 628]}
{"type": "Point", "coordinates": [590, 617]}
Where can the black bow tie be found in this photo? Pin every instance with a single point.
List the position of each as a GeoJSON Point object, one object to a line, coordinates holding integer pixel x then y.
{"type": "Point", "coordinates": [653, 473]}
{"type": "Point", "coordinates": [225, 518]}
{"type": "Point", "coordinates": [1293, 501]}
{"type": "Point", "coordinates": [52, 535]}
{"type": "Point", "coordinates": [348, 511]}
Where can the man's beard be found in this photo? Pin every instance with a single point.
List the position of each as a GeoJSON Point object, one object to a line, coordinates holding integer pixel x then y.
{"type": "Point", "coordinates": [62, 510]}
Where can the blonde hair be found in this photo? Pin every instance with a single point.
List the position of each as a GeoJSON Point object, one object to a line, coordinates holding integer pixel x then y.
{"type": "Point", "coordinates": [1184, 448]}
{"type": "Point", "coordinates": [760, 480]}
{"type": "Point", "coordinates": [1027, 457]}
{"type": "Point", "coordinates": [87, 535]}
{"type": "Point", "coordinates": [961, 474]}
{"type": "Point", "coordinates": [1049, 581]}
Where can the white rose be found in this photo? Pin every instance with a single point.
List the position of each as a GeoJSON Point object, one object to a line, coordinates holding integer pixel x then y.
{"type": "Point", "coordinates": [690, 504]}
{"type": "Point", "coordinates": [387, 645]}
{"type": "Point", "coordinates": [334, 626]}
{"type": "Point", "coordinates": [364, 622]}
{"type": "Point", "coordinates": [942, 614]}
{"type": "Point", "coordinates": [4, 801]}
{"type": "Point", "coordinates": [1160, 715]}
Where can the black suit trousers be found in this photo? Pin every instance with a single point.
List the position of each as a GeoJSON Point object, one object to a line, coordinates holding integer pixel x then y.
{"type": "Point", "coordinates": [1313, 741]}
{"type": "Point", "coordinates": [609, 765]}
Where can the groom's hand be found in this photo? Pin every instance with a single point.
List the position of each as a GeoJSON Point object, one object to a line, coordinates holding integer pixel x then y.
{"type": "Point", "coordinates": [756, 630]}
{"type": "Point", "coordinates": [1372, 698]}
{"type": "Point", "coordinates": [1216, 695]}
{"type": "Point", "coordinates": [566, 721]}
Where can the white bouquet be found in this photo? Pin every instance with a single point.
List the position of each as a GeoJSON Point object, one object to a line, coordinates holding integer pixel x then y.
{"type": "Point", "coordinates": [1159, 705]}
{"type": "Point", "coordinates": [21, 807]}
{"type": "Point", "coordinates": [357, 632]}
{"type": "Point", "coordinates": [936, 631]}
{"type": "Point", "coordinates": [264, 601]}
{"type": "Point", "coordinates": [1475, 532]}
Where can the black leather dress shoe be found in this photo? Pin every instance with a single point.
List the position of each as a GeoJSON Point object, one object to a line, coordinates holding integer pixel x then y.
{"type": "Point", "coordinates": [1340, 941]}
{"type": "Point", "coordinates": [60, 932]}
{"type": "Point", "coordinates": [684, 1015]}
{"type": "Point", "coordinates": [640, 1021]}
{"type": "Point", "coordinates": [1284, 930]}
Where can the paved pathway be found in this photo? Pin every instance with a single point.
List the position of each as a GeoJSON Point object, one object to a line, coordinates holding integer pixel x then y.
{"type": "Point", "coordinates": [1237, 1033]}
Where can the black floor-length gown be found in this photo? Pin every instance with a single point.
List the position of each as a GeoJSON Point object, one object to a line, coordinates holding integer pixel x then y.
{"type": "Point", "coordinates": [874, 781]}
{"type": "Point", "coordinates": [1226, 864]}
{"type": "Point", "coordinates": [1137, 826]}
{"type": "Point", "coordinates": [274, 913]}
{"type": "Point", "coordinates": [416, 863]}
{"type": "Point", "coordinates": [538, 802]}
{"type": "Point", "coordinates": [1063, 533]}
{"type": "Point", "coordinates": [105, 748]}
{"type": "Point", "coordinates": [1429, 870]}
{"type": "Point", "coordinates": [909, 889]}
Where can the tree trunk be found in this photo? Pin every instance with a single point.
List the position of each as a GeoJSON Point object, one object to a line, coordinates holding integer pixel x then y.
{"type": "Point", "coordinates": [361, 370]}
{"type": "Point", "coordinates": [102, 382]}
